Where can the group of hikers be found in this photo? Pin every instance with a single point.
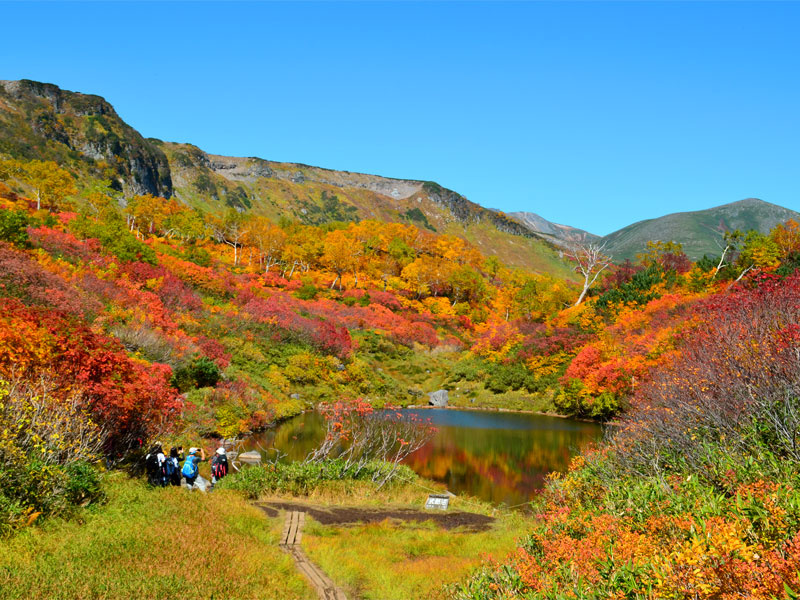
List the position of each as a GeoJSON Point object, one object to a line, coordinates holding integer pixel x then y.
{"type": "Point", "coordinates": [163, 470]}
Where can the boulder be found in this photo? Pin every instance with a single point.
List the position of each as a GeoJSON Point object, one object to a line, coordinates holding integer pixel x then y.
{"type": "Point", "coordinates": [251, 457]}
{"type": "Point", "coordinates": [438, 398]}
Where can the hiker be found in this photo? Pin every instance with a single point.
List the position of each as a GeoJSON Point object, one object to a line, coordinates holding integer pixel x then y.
{"type": "Point", "coordinates": [219, 465]}
{"type": "Point", "coordinates": [191, 471]}
{"type": "Point", "coordinates": [172, 468]}
{"type": "Point", "coordinates": [154, 463]}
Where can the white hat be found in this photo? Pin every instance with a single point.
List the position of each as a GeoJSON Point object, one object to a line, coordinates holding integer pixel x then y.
{"type": "Point", "coordinates": [221, 450]}
{"type": "Point", "coordinates": [192, 450]}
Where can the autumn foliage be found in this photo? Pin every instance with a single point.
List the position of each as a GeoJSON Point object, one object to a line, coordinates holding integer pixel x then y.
{"type": "Point", "coordinates": [697, 494]}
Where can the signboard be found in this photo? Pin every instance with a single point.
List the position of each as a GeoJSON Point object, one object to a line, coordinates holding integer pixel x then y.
{"type": "Point", "coordinates": [437, 502]}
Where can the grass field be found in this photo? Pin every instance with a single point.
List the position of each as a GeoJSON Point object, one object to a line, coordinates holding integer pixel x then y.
{"type": "Point", "coordinates": [153, 544]}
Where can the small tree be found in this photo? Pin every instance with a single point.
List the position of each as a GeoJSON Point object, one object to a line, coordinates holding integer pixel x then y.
{"type": "Point", "coordinates": [359, 435]}
{"type": "Point", "coordinates": [50, 183]}
{"type": "Point", "coordinates": [232, 230]}
{"type": "Point", "coordinates": [590, 261]}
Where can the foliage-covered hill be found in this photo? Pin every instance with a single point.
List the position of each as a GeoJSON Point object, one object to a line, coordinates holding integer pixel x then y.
{"type": "Point", "coordinates": [85, 134]}
{"type": "Point", "coordinates": [315, 196]}
{"type": "Point", "coordinates": [700, 232]}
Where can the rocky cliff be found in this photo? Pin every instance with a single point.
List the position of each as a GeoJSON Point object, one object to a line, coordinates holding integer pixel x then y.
{"type": "Point", "coordinates": [40, 120]}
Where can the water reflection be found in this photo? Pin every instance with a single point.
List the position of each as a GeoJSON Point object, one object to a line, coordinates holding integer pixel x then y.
{"type": "Point", "coordinates": [499, 457]}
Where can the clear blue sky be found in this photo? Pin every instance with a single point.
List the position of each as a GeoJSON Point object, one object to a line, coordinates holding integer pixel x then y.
{"type": "Point", "coordinates": [590, 114]}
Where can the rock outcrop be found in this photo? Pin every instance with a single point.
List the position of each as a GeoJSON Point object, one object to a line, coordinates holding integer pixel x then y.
{"type": "Point", "coordinates": [439, 398]}
{"type": "Point", "coordinates": [40, 120]}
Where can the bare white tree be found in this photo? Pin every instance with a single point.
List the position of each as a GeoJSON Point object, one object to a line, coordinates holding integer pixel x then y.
{"type": "Point", "coordinates": [590, 261]}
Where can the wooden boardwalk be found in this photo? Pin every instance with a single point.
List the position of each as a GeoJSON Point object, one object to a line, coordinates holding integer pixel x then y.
{"type": "Point", "coordinates": [290, 541]}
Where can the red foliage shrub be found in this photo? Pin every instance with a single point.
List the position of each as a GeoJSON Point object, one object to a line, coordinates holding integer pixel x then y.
{"type": "Point", "coordinates": [130, 399]}
{"type": "Point", "coordinates": [25, 279]}
{"type": "Point", "coordinates": [620, 275]}
{"type": "Point", "coordinates": [64, 243]}
{"type": "Point", "coordinates": [738, 363]}
{"type": "Point", "coordinates": [332, 339]}
{"type": "Point", "coordinates": [409, 332]}
{"type": "Point", "coordinates": [561, 339]}
{"type": "Point", "coordinates": [356, 293]}
{"type": "Point", "coordinates": [215, 351]}
{"type": "Point", "coordinates": [274, 280]}
{"type": "Point", "coordinates": [386, 299]}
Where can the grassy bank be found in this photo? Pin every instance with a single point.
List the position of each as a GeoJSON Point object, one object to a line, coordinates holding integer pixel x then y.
{"type": "Point", "coordinates": [152, 544]}
{"type": "Point", "coordinates": [395, 560]}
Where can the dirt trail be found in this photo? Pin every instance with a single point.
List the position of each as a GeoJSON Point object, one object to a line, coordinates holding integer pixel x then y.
{"type": "Point", "coordinates": [290, 542]}
{"type": "Point", "coordinates": [345, 515]}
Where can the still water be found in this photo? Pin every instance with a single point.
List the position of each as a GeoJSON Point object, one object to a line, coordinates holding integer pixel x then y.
{"type": "Point", "coordinates": [498, 457]}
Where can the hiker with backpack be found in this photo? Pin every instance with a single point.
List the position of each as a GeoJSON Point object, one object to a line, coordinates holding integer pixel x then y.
{"type": "Point", "coordinates": [155, 463]}
{"type": "Point", "coordinates": [172, 468]}
{"type": "Point", "coordinates": [219, 465]}
{"type": "Point", "coordinates": [191, 470]}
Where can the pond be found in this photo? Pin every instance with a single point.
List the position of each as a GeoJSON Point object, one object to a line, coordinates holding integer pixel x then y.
{"type": "Point", "coordinates": [498, 457]}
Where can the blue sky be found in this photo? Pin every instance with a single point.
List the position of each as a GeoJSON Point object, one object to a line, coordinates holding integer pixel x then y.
{"type": "Point", "coordinates": [591, 114]}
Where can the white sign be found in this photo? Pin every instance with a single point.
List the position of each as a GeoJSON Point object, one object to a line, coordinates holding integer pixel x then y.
{"type": "Point", "coordinates": [437, 502]}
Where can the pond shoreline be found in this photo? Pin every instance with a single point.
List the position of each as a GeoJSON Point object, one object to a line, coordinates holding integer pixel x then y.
{"type": "Point", "coordinates": [499, 456]}
{"type": "Point", "coordinates": [501, 410]}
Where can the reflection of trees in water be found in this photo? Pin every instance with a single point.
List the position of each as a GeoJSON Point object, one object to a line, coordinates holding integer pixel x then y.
{"type": "Point", "coordinates": [499, 465]}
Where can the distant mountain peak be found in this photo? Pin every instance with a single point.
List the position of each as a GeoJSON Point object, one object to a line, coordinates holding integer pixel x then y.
{"type": "Point", "coordinates": [700, 232]}
{"type": "Point", "coordinates": [561, 235]}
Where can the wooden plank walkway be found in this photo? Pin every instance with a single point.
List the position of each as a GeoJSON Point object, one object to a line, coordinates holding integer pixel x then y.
{"type": "Point", "coordinates": [290, 542]}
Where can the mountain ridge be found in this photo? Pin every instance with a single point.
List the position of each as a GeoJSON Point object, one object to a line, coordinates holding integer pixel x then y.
{"type": "Point", "coordinates": [85, 133]}
{"type": "Point", "coordinates": [559, 234]}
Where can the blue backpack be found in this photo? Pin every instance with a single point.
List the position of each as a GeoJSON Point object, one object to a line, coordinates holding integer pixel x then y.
{"type": "Point", "coordinates": [171, 466]}
{"type": "Point", "coordinates": [189, 467]}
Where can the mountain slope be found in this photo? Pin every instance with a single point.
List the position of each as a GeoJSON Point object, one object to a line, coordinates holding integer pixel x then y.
{"type": "Point", "coordinates": [560, 235]}
{"type": "Point", "coordinates": [85, 134]}
{"type": "Point", "coordinates": [700, 231]}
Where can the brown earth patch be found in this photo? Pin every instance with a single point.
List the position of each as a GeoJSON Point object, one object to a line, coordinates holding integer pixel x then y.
{"type": "Point", "coordinates": [346, 515]}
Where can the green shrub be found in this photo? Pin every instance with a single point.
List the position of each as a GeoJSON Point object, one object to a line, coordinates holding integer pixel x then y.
{"type": "Point", "coordinates": [45, 448]}
{"type": "Point", "coordinates": [14, 227]}
{"type": "Point", "coordinates": [309, 291]}
{"type": "Point", "coordinates": [196, 254]}
{"type": "Point", "coordinates": [468, 370]}
{"type": "Point", "coordinates": [302, 478]}
{"type": "Point", "coordinates": [575, 401]}
{"type": "Point", "coordinates": [201, 372]}
{"type": "Point", "coordinates": [511, 377]}
{"type": "Point", "coordinates": [639, 290]}
{"type": "Point", "coordinates": [82, 485]}
{"type": "Point", "coordinates": [115, 238]}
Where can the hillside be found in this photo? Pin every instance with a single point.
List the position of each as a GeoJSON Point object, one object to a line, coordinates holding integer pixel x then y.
{"type": "Point", "coordinates": [315, 196]}
{"type": "Point", "coordinates": [558, 234]}
{"type": "Point", "coordinates": [85, 134]}
{"type": "Point", "coordinates": [700, 231]}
